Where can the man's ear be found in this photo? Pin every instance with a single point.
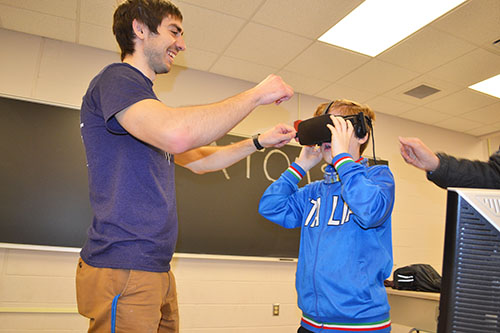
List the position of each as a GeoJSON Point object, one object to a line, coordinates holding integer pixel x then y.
{"type": "Point", "coordinates": [139, 29]}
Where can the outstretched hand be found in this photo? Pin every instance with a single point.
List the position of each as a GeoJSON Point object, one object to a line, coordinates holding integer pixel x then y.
{"type": "Point", "coordinates": [278, 136]}
{"type": "Point", "coordinates": [416, 153]}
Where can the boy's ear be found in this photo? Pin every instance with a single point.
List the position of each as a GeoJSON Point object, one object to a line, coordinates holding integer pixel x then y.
{"type": "Point", "coordinates": [362, 140]}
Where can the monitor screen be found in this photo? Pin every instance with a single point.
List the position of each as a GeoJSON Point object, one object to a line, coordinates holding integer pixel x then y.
{"type": "Point", "coordinates": [470, 286]}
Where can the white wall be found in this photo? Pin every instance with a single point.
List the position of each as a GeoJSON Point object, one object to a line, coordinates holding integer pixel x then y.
{"type": "Point", "coordinates": [37, 287]}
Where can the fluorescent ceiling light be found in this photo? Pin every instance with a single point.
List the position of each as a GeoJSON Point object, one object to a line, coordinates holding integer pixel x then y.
{"type": "Point", "coordinates": [376, 25]}
{"type": "Point", "coordinates": [490, 86]}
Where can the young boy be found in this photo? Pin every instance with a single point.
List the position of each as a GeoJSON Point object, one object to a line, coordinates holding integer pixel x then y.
{"type": "Point", "coordinates": [345, 249]}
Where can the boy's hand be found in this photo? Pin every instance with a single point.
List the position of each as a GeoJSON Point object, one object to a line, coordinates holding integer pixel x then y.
{"type": "Point", "coordinates": [309, 156]}
{"type": "Point", "coordinates": [342, 134]}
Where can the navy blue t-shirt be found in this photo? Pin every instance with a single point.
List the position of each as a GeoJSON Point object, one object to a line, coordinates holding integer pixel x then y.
{"type": "Point", "coordinates": [131, 183]}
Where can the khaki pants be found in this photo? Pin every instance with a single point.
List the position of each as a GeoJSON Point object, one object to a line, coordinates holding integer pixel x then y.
{"type": "Point", "coordinates": [119, 300]}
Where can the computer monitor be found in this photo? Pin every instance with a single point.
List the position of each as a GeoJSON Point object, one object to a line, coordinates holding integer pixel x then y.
{"type": "Point", "coordinates": [470, 286]}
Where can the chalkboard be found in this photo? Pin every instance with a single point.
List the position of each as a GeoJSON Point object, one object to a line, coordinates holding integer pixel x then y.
{"type": "Point", "coordinates": [218, 211]}
{"type": "Point", "coordinates": [44, 194]}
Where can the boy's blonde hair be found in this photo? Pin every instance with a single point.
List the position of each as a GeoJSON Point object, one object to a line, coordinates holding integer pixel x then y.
{"type": "Point", "coordinates": [348, 108]}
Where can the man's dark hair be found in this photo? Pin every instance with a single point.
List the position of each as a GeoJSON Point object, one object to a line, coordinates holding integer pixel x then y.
{"type": "Point", "coordinates": [149, 12]}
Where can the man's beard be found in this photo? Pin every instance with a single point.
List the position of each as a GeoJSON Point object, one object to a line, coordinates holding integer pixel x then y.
{"type": "Point", "coordinates": [157, 63]}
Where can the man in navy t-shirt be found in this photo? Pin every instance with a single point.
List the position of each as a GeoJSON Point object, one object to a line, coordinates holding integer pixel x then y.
{"type": "Point", "coordinates": [124, 281]}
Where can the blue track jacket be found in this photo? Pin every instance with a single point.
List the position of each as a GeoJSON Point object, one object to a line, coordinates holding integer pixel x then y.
{"type": "Point", "coordinates": [346, 244]}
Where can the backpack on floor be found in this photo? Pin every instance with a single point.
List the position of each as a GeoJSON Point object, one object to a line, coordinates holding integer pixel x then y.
{"type": "Point", "coordinates": [419, 277]}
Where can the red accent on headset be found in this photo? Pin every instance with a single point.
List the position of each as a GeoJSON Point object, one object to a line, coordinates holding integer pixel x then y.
{"type": "Point", "coordinates": [296, 124]}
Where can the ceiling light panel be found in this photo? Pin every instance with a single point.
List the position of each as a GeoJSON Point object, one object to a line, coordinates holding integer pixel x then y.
{"type": "Point", "coordinates": [490, 86]}
{"type": "Point", "coordinates": [376, 25]}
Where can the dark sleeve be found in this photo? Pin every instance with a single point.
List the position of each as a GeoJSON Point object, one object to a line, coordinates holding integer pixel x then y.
{"type": "Point", "coordinates": [453, 172]}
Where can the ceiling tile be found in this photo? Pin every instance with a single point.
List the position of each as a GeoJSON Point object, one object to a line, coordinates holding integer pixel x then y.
{"type": "Point", "coordinates": [61, 8]}
{"type": "Point", "coordinates": [241, 69]}
{"type": "Point", "coordinates": [458, 124]}
{"type": "Point", "coordinates": [445, 88]}
{"type": "Point", "coordinates": [98, 12]}
{"type": "Point", "coordinates": [426, 50]}
{"type": "Point", "coordinates": [303, 84]}
{"type": "Point", "coordinates": [493, 47]}
{"type": "Point", "coordinates": [378, 77]}
{"type": "Point", "coordinates": [477, 21]}
{"type": "Point", "coordinates": [470, 68]}
{"type": "Point", "coordinates": [461, 102]}
{"type": "Point", "coordinates": [326, 62]}
{"type": "Point", "coordinates": [267, 46]}
{"type": "Point", "coordinates": [248, 39]}
{"type": "Point", "coordinates": [424, 115]}
{"type": "Point", "coordinates": [388, 106]}
{"type": "Point", "coordinates": [207, 29]}
{"type": "Point", "coordinates": [196, 59]}
{"type": "Point", "coordinates": [303, 18]}
{"type": "Point", "coordinates": [488, 130]}
{"type": "Point", "coordinates": [241, 8]}
{"type": "Point", "coordinates": [485, 115]}
{"type": "Point", "coordinates": [338, 91]}
{"type": "Point", "coordinates": [37, 23]}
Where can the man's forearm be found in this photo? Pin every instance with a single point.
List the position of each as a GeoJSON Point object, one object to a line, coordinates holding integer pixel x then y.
{"type": "Point", "coordinates": [213, 158]}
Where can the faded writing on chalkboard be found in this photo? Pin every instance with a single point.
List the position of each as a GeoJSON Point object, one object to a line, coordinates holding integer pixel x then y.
{"type": "Point", "coordinates": [267, 153]}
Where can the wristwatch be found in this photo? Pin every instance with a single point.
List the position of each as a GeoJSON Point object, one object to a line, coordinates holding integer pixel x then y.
{"type": "Point", "coordinates": [255, 139]}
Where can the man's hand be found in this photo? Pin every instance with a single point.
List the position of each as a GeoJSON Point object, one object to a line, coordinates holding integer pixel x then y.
{"type": "Point", "coordinates": [273, 90]}
{"type": "Point", "coordinates": [416, 153]}
{"type": "Point", "coordinates": [277, 137]}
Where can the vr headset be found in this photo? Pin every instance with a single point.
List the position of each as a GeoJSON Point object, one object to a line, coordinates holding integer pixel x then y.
{"type": "Point", "coordinates": [313, 131]}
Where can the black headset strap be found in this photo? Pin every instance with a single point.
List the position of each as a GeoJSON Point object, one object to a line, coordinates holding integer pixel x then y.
{"type": "Point", "coordinates": [328, 107]}
{"type": "Point", "coordinates": [368, 120]}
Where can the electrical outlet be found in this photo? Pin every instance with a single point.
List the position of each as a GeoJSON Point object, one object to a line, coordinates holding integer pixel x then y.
{"type": "Point", "coordinates": [276, 309]}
